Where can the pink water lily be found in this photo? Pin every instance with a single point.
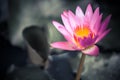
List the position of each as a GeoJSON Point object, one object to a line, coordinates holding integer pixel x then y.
{"type": "Point", "coordinates": [82, 31]}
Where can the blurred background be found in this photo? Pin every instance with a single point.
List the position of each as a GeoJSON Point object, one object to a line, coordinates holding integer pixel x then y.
{"type": "Point", "coordinates": [16, 15]}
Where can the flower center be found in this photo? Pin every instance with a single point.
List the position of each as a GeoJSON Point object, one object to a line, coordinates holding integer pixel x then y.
{"type": "Point", "coordinates": [82, 31]}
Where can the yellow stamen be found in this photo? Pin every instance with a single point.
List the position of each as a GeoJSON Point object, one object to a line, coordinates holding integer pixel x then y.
{"type": "Point", "coordinates": [82, 32]}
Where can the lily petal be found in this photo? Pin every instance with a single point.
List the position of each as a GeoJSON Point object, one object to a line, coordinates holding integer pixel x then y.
{"type": "Point", "coordinates": [102, 35]}
{"type": "Point", "coordinates": [61, 28]}
{"type": "Point", "coordinates": [65, 13]}
{"type": "Point", "coordinates": [80, 16]}
{"type": "Point", "coordinates": [63, 45]}
{"type": "Point", "coordinates": [92, 50]}
{"type": "Point", "coordinates": [89, 12]}
{"type": "Point", "coordinates": [97, 24]}
{"type": "Point", "coordinates": [66, 23]}
{"type": "Point", "coordinates": [79, 13]}
{"type": "Point", "coordinates": [104, 24]}
{"type": "Point", "coordinates": [94, 18]}
{"type": "Point", "coordinates": [72, 19]}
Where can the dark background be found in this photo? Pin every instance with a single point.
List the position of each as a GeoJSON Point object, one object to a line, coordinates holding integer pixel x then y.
{"type": "Point", "coordinates": [15, 15]}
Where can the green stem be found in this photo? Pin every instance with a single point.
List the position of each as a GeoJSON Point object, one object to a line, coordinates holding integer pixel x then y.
{"type": "Point", "coordinates": [80, 67]}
